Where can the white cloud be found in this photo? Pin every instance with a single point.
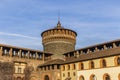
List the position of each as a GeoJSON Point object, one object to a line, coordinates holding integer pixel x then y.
{"type": "Point", "coordinates": [20, 40]}
{"type": "Point", "coordinates": [17, 35]}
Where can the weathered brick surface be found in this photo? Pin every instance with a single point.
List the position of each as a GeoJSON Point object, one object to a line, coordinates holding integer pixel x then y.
{"type": "Point", "coordinates": [59, 48]}
{"type": "Point", "coordinates": [6, 70]}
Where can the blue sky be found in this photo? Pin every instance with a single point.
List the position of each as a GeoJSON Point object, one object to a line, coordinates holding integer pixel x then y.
{"type": "Point", "coordinates": [22, 21]}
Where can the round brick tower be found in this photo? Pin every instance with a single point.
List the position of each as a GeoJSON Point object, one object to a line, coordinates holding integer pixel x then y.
{"type": "Point", "coordinates": [58, 40]}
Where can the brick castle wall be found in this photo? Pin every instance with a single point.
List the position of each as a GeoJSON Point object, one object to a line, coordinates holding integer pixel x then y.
{"type": "Point", "coordinates": [59, 48]}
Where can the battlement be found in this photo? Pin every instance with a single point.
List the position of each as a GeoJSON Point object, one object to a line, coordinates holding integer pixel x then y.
{"type": "Point", "coordinates": [23, 53]}
{"type": "Point", "coordinates": [99, 48]}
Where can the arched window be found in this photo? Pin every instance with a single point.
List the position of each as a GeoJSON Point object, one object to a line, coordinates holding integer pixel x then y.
{"type": "Point", "coordinates": [93, 77]}
{"type": "Point", "coordinates": [81, 66]}
{"type": "Point", "coordinates": [68, 67]}
{"type": "Point", "coordinates": [81, 78]}
{"type": "Point", "coordinates": [91, 65]}
{"type": "Point", "coordinates": [106, 77]}
{"type": "Point", "coordinates": [118, 61]}
{"type": "Point", "coordinates": [68, 74]}
{"type": "Point", "coordinates": [103, 63]}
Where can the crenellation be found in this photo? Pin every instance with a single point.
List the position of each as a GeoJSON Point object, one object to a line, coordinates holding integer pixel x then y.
{"type": "Point", "coordinates": [55, 67]}
{"type": "Point", "coordinates": [36, 53]}
{"type": "Point", "coordinates": [96, 49]}
{"type": "Point", "coordinates": [88, 50]}
{"type": "Point", "coordinates": [114, 45]}
{"type": "Point", "coordinates": [74, 54]}
{"type": "Point", "coordinates": [10, 52]}
{"type": "Point", "coordinates": [46, 68]}
{"type": "Point", "coordinates": [62, 37]}
{"type": "Point", "coordinates": [81, 52]}
{"type": "Point", "coordinates": [92, 49]}
{"type": "Point", "coordinates": [20, 54]}
{"type": "Point", "coordinates": [50, 67]}
{"type": "Point", "coordinates": [105, 47]}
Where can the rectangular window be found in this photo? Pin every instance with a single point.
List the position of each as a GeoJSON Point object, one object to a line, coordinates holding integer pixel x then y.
{"type": "Point", "coordinates": [19, 70]}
